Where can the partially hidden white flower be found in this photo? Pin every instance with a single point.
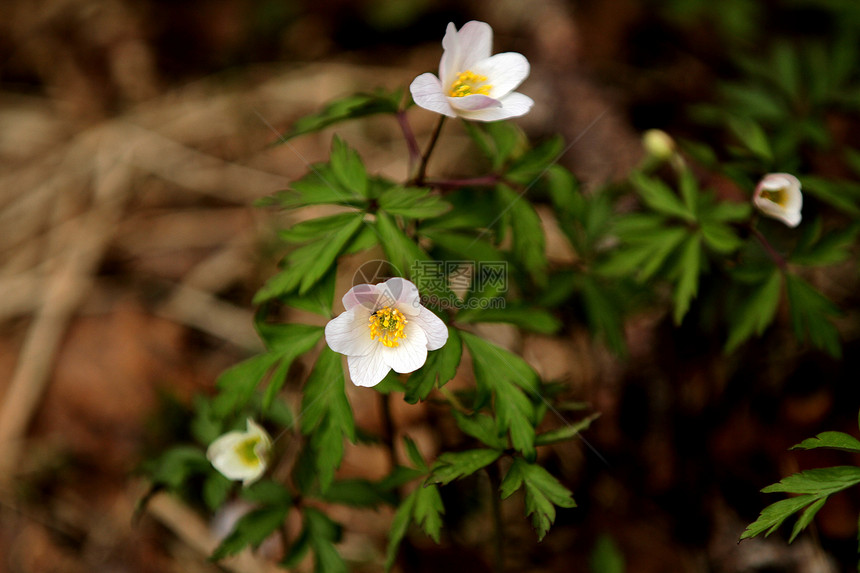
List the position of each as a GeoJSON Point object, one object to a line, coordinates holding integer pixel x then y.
{"type": "Point", "coordinates": [472, 83]}
{"type": "Point", "coordinates": [241, 455]}
{"type": "Point", "coordinates": [778, 195]}
{"type": "Point", "coordinates": [383, 328]}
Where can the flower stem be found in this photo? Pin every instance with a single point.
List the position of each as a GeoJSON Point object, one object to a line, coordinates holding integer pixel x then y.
{"type": "Point", "coordinates": [777, 258]}
{"type": "Point", "coordinates": [388, 431]}
{"type": "Point", "coordinates": [498, 524]}
{"type": "Point", "coordinates": [409, 136]}
{"type": "Point", "coordinates": [422, 168]}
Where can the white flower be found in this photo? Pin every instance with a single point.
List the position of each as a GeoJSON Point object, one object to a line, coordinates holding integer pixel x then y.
{"type": "Point", "coordinates": [473, 84]}
{"type": "Point", "coordinates": [383, 328]}
{"type": "Point", "coordinates": [241, 455]}
{"type": "Point", "coordinates": [778, 195]}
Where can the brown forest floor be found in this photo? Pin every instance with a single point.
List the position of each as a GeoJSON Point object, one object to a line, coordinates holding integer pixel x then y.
{"type": "Point", "coordinates": [133, 142]}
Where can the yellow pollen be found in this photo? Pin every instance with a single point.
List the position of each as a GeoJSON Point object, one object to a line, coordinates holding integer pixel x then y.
{"type": "Point", "coordinates": [247, 451]}
{"type": "Point", "coordinates": [387, 325]}
{"type": "Point", "coordinates": [778, 196]}
{"type": "Point", "coordinates": [469, 83]}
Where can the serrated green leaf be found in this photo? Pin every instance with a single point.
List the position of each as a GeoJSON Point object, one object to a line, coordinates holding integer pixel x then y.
{"type": "Point", "coordinates": [316, 228]}
{"type": "Point", "coordinates": [810, 315]}
{"type": "Point", "coordinates": [347, 167]}
{"type": "Point", "coordinates": [772, 516]}
{"type": "Point", "coordinates": [529, 242]}
{"type": "Point", "coordinates": [512, 382]}
{"type": "Point", "coordinates": [215, 490]}
{"type": "Point", "coordinates": [323, 533]}
{"type": "Point", "coordinates": [843, 195]}
{"type": "Point", "coordinates": [356, 493]}
{"type": "Point", "coordinates": [659, 197]}
{"type": "Point", "coordinates": [267, 492]}
{"type": "Point", "coordinates": [835, 440]}
{"type": "Point", "coordinates": [604, 313]}
{"type": "Point", "coordinates": [728, 212]}
{"type": "Point", "coordinates": [688, 284]}
{"type": "Point", "coordinates": [819, 481]}
{"type": "Point", "coordinates": [440, 367]}
{"type": "Point", "coordinates": [806, 518]}
{"type": "Point", "coordinates": [720, 237]}
{"type": "Point", "coordinates": [237, 383]}
{"type": "Point", "coordinates": [399, 526]}
{"type": "Point", "coordinates": [412, 202]}
{"type": "Point", "coordinates": [827, 250]}
{"type": "Point", "coordinates": [402, 251]}
{"type": "Point", "coordinates": [456, 465]}
{"type": "Point", "coordinates": [414, 455]}
{"type": "Point", "coordinates": [176, 465]}
{"type": "Point", "coordinates": [750, 134]}
{"type": "Point", "coordinates": [543, 493]}
{"type": "Point", "coordinates": [428, 510]}
{"type": "Point", "coordinates": [481, 427]}
{"type": "Point", "coordinates": [318, 187]}
{"type": "Point", "coordinates": [566, 432]}
{"type": "Point", "coordinates": [319, 299]}
{"type": "Point", "coordinates": [535, 162]}
{"type": "Point", "coordinates": [756, 312]}
{"type": "Point", "coordinates": [351, 107]}
{"type": "Point", "coordinates": [689, 190]}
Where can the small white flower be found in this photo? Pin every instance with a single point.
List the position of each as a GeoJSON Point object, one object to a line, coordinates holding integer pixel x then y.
{"type": "Point", "coordinates": [241, 455]}
{"type": "Point", "coordinates": [383, 328]}
{"type": "Point", "coordinates": [473, 84]}
{"type": "Point", "coordinates": [778, 195]}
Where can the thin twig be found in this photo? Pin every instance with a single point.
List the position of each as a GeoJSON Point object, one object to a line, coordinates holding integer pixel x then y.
{"type": "Point", "coordinates": [422, 168]}
{"type": "Point", "coordinates": [777, 258]}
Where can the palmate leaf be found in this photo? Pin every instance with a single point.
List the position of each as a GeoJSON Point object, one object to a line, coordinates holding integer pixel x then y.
{"type": "Point", "coordinates": [659, 197]}
{"type": "Point", "coordinates": [513, 384]}
{"type": "Point", "coordinates": [527, 233]}
{"type": "Point", "coordinates": [412, 202]}
{"type": "Point", "coordinates": [423, 507]}
{"type": "Point", "coordinates": [451, 466]}
{"type": "Point", "coordinates": [813, 487]}
{"type": "Point", "coordinates": [543, 493]}
{"type": "Point", "coordinates": [347, 167]}
{"type": "Point", "coordinates": [756, 312]}
{"type": "Point", "coordinates": [834, 440]}
{"type": "Point", "coordinates": [810, 315]}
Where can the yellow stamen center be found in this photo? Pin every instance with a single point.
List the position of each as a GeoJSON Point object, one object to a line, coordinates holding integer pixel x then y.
{"type": "Point", "coordinates": [469, 83]}
{"type": "Point", "coordinates": [247, 451]}
{"type": "Point", "coordinates": [387, 325]}
{"type": "Point", "coordinates": [778, 196]}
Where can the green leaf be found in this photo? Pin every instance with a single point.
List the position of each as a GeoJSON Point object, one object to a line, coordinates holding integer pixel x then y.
{"type": "Point", "coordinates": [215, 490]}
{"type": "Point", "coordinates": [316, 228]}
{"type": "Point", "coordinates": [688, 284]}
{"type": "Point", "coordinates": [810, 315]}
{"type": "Point", "coordinates": [604, 312]}
{"type": "Point", "coordinates": [512, 382]}
{"type": "Point", "coordinates": [237, 384]}
{"type": "Point", "coordinates": [412, 202]}
{"type": "Point", "coordinates": [348, 168]}
{"type": "Point", "coordinates": [843, 195]}
{"type": "Point", "coordinates": [566, 432]}
{"type": "Point", "coordinates": [355, 493]}
{"type": "Point", "coordinates": [659, 197]}
{"type": "Point", "coordinates": [498, 140]}
{"type": "Point", "coordinates": [835, 440]}
{"type": "Point", "coordinates": [456, 465]}
{"type": "Point", "coordinates": [606, 557]}
{"type": "Point", "coordinates": [529, 243]}
{"type": "Point", "coordinates": [252, 529]}
{"type": "Point", "coordinates": [267, 492]}
{"type": "Point", "coordinates": [728, 212]}
{"type": "Point", "coordinates": [402, 251]}
{"type": "Point", "coordinates": [806, 518]}
{"type": "Point", "coordinates": [414, 455]}
{"type": "Point", "coordinates": [327, 415]}
{"type": "Point", "coordinates": [819, 481]}
{"type": "Point", "coordinates": [351, 107]}
{"type": "Point", "coordinates": [173, 468]}
{"type": "Point", "coordinates": [319, 299]}
{"type": "Point", "coordinates": [323, 533]}
{"type": "Point", "coordinates": [305, 266]}
{"type": "Point", "coordinates": [756, 312]}
{"type": "Point", "coordinates": [428, 510]}
{"type": "Point", "coordinates": [528, 318]}
{"type": "Point", "coordinates": [752, 136]}
{"type": "Point", "coordinates": [827, 250]}
{"type": "Point", "coordinates": [772, 516]}
{"type": "Point", "coordinates": [689, 190]}
{"type": "Point", "coordinates": [720, 237]}
{"type": "Point", "coordinates": [318, 187]}
{"type": "Point", "coordinates": [481, 427]}
{"type": "Point", "coordinates": [288, 342]}
{"type": "Point", "coordinates": [399, 526]}
{"type": "Point", "coordinates": [441, 366]}
{"type": "Point", "coordinates": [535, 162]}
{"type": "Point", "coordinates": [543, 493]}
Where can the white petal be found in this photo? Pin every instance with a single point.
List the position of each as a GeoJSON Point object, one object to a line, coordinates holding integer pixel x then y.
{"type": "Point", "coordinates": [513, 105]}
{"type": "Point", "coordinates": [789, 213]}
{"type": "Point", "coordinates": [224, 458]}
{"type": "Point", "coordinates": [401, 294]}
{"type": "Point", "coordinates": [505, 72]}
{"type": "Point", "coordinates": [427, 92]}
{"type": "Point", "coordinates": [433, 327]}
{"type": "Point", "coordinates": [368, 370]}
{"type": "Point", "coordinates": [411, 354]}
{"type": "Point", "coordinates": [473, 102]}
{"type": "Point", "coordinates": [349, 333]}
{"type": "Point", "coordinates": [474, 43]}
